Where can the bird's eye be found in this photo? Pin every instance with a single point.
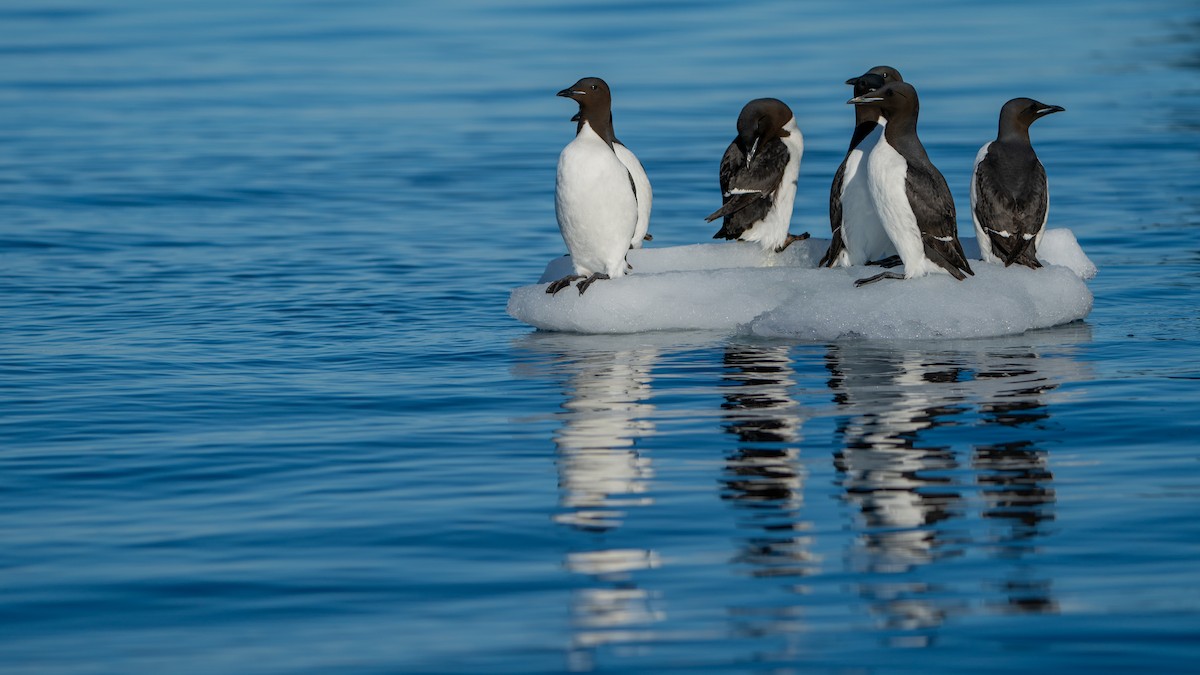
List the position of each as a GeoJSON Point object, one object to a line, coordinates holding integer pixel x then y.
{"type": "Point", "coordinates": [885, 76]}
{"type": "Point", "coordinates": [594, 87]}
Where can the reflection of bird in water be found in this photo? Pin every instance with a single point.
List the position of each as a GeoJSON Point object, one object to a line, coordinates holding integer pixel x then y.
{"type": "Point", "coordinates": [894, 476]}
{"type": "Point", "coordinates": [760, 411]}
{"type": "Point", "coordinates": [607, 385]}
{"type": "Point", "coordinates": [1017, 488]}
{"type": "Point", "coordinates": [895, 396]}
{"type": "Point", "coordinates": [600, 471]}
{"type": "Point", "coordinates": [1017, 485]}
{"type": "Point", "coordinates": [1014, 476]}
{"type": "Point", "coordinates": [612, 612]}
{"type": "Point", "coordinates": [600, 475]}
{"type": "Point", "coordinates": [758, 399]}
{"type": "Point", "coordinates": [1013, 385]}
{"type": "Point", "coordinates": [764, 476]}
{"type": "Point", "coordinates": [904, 482]}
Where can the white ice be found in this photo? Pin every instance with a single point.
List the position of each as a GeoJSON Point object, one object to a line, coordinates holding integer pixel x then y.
{"type": "Point", "coordinates": [736, 286]}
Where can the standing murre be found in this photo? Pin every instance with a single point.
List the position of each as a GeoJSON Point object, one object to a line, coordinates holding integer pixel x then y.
{"type": "Point", "coordinates": [912, 196]}
{"type": "Point", "coordinates": [858, 234]}
{"type": "Point", "coordinates": [595, 196]}
{"type": "Point", "coordinates": [1010, 197]}
{"type": "Point", "coordinates": [758, 176]}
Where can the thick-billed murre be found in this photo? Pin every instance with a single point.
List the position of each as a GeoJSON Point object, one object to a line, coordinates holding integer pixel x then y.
{"type": "Point", "coordinates": [1010, 197]}
{"type": "Point", "coordinates": [858, 237]}
{"type": "Point", "coordinates": [758, 176]}
{"type": "Point", "coordinates": [595, 196]}
{"type": "Point", "coordinates": [914, 201]}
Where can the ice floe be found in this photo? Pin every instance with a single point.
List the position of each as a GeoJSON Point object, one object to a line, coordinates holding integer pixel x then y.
{"type": "Point", "coordinates": [735, 286]}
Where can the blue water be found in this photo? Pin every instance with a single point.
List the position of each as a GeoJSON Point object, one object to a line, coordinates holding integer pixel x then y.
{"type": "Point", "coordinates": [261, 409]}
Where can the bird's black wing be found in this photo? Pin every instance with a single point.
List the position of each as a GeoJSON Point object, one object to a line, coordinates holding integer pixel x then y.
{"type": "Point", "coordinates": [732, 163]}
{"type": "Point", "coordinates": [836, 243]}
{"type": "Point", "coordinates": [745, 183]}
{"type": "Point", "coordinates": [933, 205]}
{"type": "Point", "coordinates": [1011, 202]}
{"type": "Point", "coordinates": [754, 184]}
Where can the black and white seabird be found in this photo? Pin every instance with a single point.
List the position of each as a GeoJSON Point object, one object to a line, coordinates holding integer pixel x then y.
{"type": "Point", "coordinates": [758, 176]}
{"type": "Point", "coordinates": [1010, 198]}
{"type": "Point", "coordinates": [595, 197]}
{"type": "Point", "coordinates": [858, 234]}
{"type": "Point", "coordinates": [912, 196]}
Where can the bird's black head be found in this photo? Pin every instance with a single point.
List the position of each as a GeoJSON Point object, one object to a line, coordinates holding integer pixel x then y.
{"type": "Point", "coordinates": [868, 83]}
{"type": "Point", "coordinates": [885, 73]}
{"type": "Point", "coordinates": [895, 99]}
{"type": "Point", "coordinates": [1026, 111]}
{"type": "Point", "coordinates": [592, 93]}
{"type": "Point", "coordinates": [761, 120]}
{"type": "Point", "coordinates": [595, 106]}
{"type": "Point", "coordinates": [888, 73]}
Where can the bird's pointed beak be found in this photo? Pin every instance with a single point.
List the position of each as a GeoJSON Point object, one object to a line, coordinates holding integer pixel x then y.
{"type": "Point", "coordinates": [865, 99]}
{"type": "Point", "coordinates": [748, 142]}
{"type": "Point", "coordinates": [1050, 110]}
{"type": "Point", "coordinates": [852, 81]}
{"type": "Point", "coordinates": [570, 93]}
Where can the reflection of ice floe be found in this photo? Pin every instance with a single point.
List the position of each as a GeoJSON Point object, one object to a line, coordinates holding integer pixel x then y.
{"type": "Point", "coordinates": [724, 286]}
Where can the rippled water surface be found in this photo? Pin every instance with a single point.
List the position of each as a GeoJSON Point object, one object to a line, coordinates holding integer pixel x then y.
{"type": "Point", "coordinates": [262, 409]}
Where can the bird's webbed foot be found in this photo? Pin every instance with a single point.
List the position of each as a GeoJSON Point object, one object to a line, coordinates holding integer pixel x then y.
{"type": "Point", "coordinates": [791, 239]}
{"type": "Point", "coordinates": [583, 285]}
{"type": "Point", "coordinates": [882, 275]}
{"type": "Point", "coordinates": [562, 283]}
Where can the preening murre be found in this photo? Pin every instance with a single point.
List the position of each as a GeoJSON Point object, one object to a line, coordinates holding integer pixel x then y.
{"type": "Point", "coordinates": [1010, 196]}
{"type": "Point", "coordinates": [595, 195]}
{"type": "Point", "coordinates": [914, 201]}
{"type": "Point", "coordinates": [758, 176]}
{"type": "Point", "coordinates": [858, 237]}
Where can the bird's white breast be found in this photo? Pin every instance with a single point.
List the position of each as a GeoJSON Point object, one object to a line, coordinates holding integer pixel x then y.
{"type": "Point", "coordinates": [1042, 230]}
{"type": "Point", "coordinates": [985, 241]}
{"type": "Point", "coordinates": [887, 171]}
{"type": "Point", "coordinates": [862, 228]}
{"type": "Point", "coordinates": [595, 205]}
